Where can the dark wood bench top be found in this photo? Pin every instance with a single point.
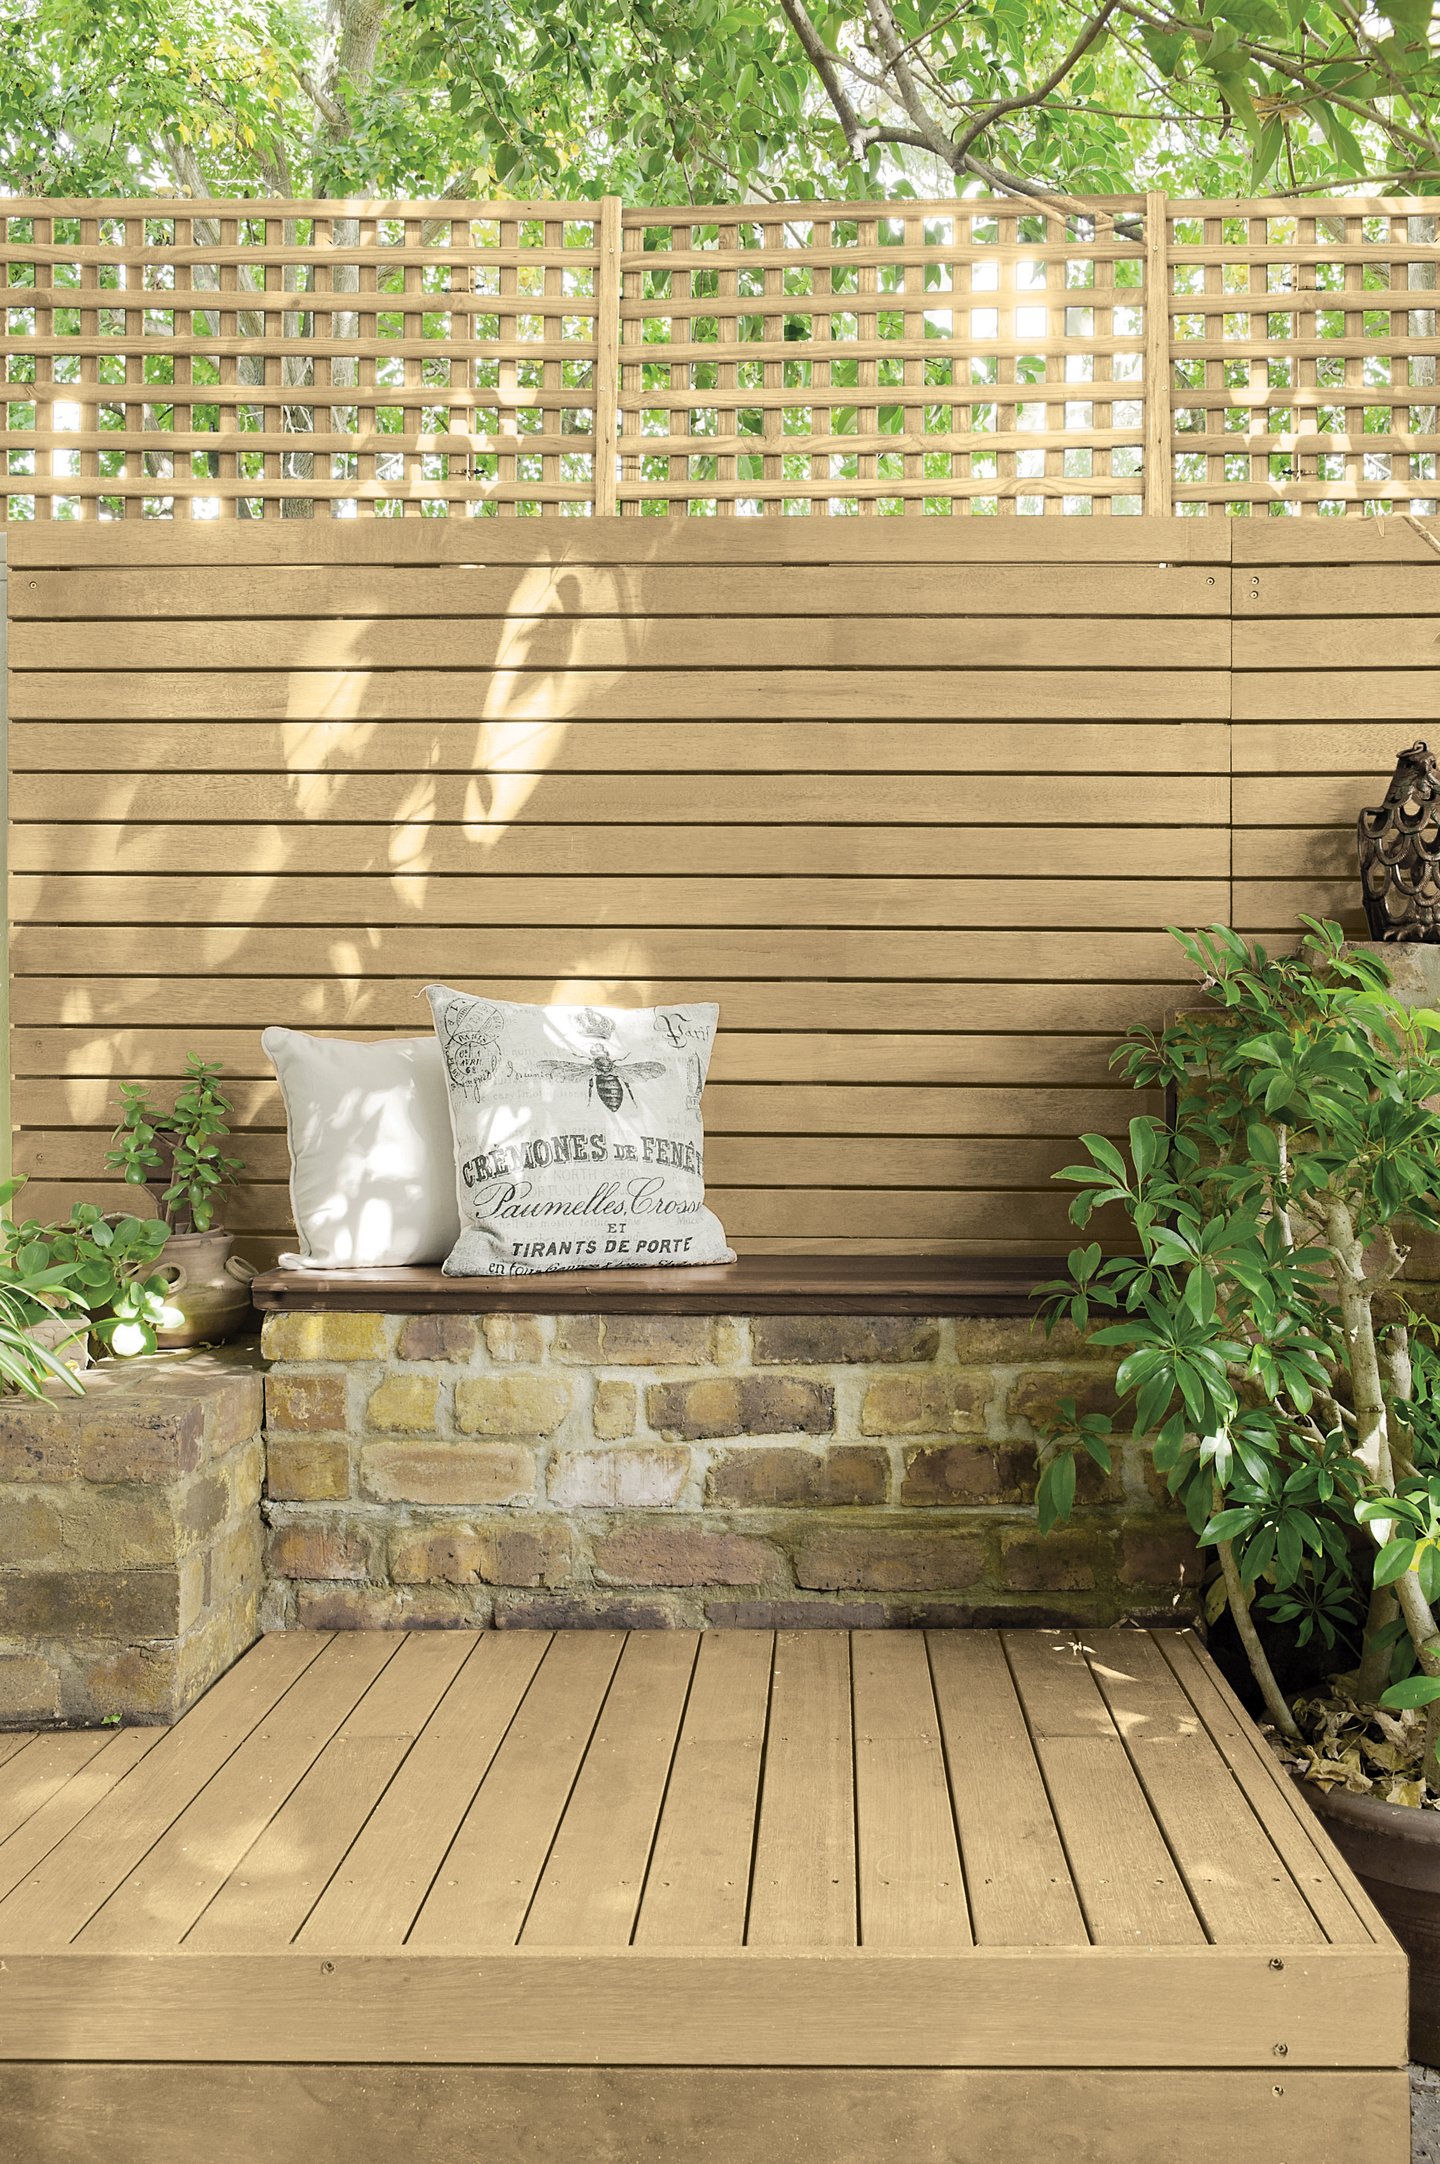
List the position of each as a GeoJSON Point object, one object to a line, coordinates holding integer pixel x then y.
{"type": "Point", "coordinates": [755, 1285]}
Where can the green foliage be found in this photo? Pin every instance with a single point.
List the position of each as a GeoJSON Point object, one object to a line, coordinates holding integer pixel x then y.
{"type": "Point", "coordinates": [111, 1274]}
{"type": "Point", "coordinates": [179, 1155]}
{"type": "Point", "coordinates": [34, 1289]}
{"type": "Point", "coordinates": [703, 101]}
{"type": "Point", "coordinates": [1298, 1431]}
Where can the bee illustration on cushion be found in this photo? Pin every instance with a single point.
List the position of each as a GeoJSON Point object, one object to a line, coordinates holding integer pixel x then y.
{"type": "Point", "coordinates": [471, 1038]}
{"type": "Point", "coordinates": [607, 1077]}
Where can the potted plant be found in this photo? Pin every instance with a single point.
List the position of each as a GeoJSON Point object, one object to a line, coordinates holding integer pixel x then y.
{"type": "Point", "coordinates": [180, 1157]}
{"type": "Point", "coordinates": [114, 1275]}
{"type": "Point", "coordinates": [1286, 1382]}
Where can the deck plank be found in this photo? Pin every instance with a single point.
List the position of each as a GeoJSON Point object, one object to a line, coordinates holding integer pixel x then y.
{"type": "Point", "coordinates": [155, 1905]}
{"type": "Point", "coordinates": [1016, 1871]}
{"type": "Point", "coordinates": [911, 1885]}
{"type": "Point", "coordinates": [59, 1897]}
{"type": "Point", "coordinates": [1123, 1873]}
{"type": "Point", "coordinates": [1341, 1907]}
{"type": "Point", "coordinates": [803, 1888]}
{"type": "Point", "coordinates": [698, 1886]}
{"type": "Point", "coordinates": [68, 1805]}
{"type": "Point", "coordinates": [33, 1776]}
{"type": "Point", "coordinates": [13, 1740]}
{"type": "Point", "coordinates": [1240, 1886]}
{"type": "Point", "coordinates": [376, 1894]}
{"type": "Point", "coordinates": [589, 1890]}
{"type": "Point", "coordinates": [483, 1891]}
{"type": "Point", "coordinates": [267, 1898]}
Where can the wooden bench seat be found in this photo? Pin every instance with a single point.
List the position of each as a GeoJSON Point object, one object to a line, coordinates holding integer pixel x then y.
{"type": "Point", "coordinates": [753, 1285]}
{"type": "Point", "coordinates": [953, 1897]}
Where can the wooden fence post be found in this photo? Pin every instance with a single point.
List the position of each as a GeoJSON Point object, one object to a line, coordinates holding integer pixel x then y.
{"type": "Point", "coordinates": [607, 357]}
{"type": "Point", "coordinates": [1159, 490]}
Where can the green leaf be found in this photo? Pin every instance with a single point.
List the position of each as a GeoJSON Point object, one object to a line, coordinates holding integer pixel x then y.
{"type": "Point", "coordinates": [1413, 1691]}
{"type": "Point", "coordinates": [1394, 1559]}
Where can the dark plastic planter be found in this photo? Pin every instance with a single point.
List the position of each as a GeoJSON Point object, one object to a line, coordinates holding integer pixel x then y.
{"type": "Point", "coordinates": [1395, 1854]}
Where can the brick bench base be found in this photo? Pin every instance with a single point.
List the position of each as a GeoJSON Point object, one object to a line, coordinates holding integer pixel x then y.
{"type": "Point", "coordinates": [688, 1469]}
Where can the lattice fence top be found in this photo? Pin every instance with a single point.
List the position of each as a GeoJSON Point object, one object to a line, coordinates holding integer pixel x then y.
{"type": "Point", "coordinates": [169, 359]}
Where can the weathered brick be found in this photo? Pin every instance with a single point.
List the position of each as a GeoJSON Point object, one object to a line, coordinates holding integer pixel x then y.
{"type": "Point", "coordinates": [551, 1611]}
{"type": "Point", "coordinates": [837, 1340]}
{"type": "Point", "coordinates": [90, 1604]}
{"type": "Point", "coordinates": [319, 1548]}
{"type": "Point", "coordinates": [390, 1607]}
{"type": "Point", "coordinates": [448, 1472]}
{"type": "Point", "coordinates": [633, 1477]}
{"type": "Point", "coordinates": [29, 1689]}
{"type": "Point", "coordinates": [100, 1437]}
{"type": "Point", "coordinates": [514, 1340]}
{"type": "Point", "coordinates": [404, 1405]}
{"type": "Point", "coordinates": [307, 1469]}
{"type": "Point", "coordinates": [959, 1473]}
{"type": "Point", "coordinates": [29, 1528]}
{"type": "Point", "coordinates": [724, 1405]}
{"type": "Point", "coordinates": [323, 1336]}
{"type": "Point", "coordinates": [113, 1528]}
{"type": "Point", "coordinates": [948, 1401]}
{"type": "Point", "coordinates": [761, 1474]}
{"type": "Point", "coordinates": [438, 1337]}
{"type": "Point", "coordinates": [444, 1554]}
{"type": "Point", "coordinates": [1012, 1341]}
{"type": "Point", "coordinates": [511, 1404]}
{"type": "Point", "coordinates": [459, 1552]}
{"type": "Point", "coordinates": [1035, 1396]}
{"type": "Point", "coordinates": [888, 1559]}
{"type": "Point", "coordinates": [1072, 1559]}
{"type": "Point", "coordinates": [532, 1552]}
{"type": "Point", "coordinates": [792, 1614]}
{"type": "Point", "coordinates": [650, 1554]}
{"type": "Point", "coordinates": [614, 1410]}
{"type": "Point", "coordinates": [653, 1341]}
{"type": "Point", "coordinates": [305, 1404]}
{"type": "Point", "coordinates": [140, 1683]}
{"type": "Point", "coordinates": [1159, 1551]}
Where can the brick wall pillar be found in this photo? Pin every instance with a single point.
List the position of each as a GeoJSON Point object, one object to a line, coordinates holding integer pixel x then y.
{"type": "Point", "coordinates": [130, 1538]}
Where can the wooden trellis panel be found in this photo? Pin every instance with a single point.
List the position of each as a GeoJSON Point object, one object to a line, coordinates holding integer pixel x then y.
{"type": "Point", "coordinates": [902, 357]}
{"type": "Point", "coordinates": [258, 359]}
{"type": "Point", "coordinates": [913, 802]}
{"type": "Point", "coordinates": [1303, 353]}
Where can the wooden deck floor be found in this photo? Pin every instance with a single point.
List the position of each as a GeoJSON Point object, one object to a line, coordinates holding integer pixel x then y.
{"type": "Point", "coordinates": [959, 1884]}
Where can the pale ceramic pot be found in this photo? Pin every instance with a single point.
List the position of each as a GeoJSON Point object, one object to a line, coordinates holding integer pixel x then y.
{"type": "Point", "coordinates": [209, 1284]}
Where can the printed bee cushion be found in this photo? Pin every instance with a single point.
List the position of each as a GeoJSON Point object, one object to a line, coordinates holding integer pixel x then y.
{"type": "Point", "coordinates": [578, 1141]}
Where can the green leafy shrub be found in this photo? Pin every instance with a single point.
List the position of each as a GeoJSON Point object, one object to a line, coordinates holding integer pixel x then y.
{"type": "Point", "coordinates": [1264, 1342]}
{"type": "Point", "coordinates": [178, 1155]}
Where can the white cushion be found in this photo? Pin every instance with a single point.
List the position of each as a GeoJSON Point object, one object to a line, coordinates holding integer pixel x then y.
{"type": "Point", "coordinates": [372, 1165]}
{"type": "Point", "coordinates": [578, 1141]}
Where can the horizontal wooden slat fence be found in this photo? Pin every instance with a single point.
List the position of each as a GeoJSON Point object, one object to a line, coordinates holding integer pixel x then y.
{"type": "Point", "coordinates": [261, 359]}
{"type": "Point", "coordinates": [913, 802]}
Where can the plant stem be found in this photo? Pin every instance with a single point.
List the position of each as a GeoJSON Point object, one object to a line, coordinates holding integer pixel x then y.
{"type": "Point", "coordinates": [1275, 1701]}
{"type": "Point", "coordinates": [1373, 1673]}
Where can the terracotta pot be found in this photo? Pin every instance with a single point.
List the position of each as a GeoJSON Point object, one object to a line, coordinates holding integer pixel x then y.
{"type": "Point", "coordinates": [210, 1285]}
{"type": "Point", "coordinates": [1395, 1854]}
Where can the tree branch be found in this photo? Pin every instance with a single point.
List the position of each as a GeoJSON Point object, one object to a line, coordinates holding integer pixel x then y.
{"type": "Point", "coordinates": [1093, 29]}
{"type": "Point", "coordinates": [827, 66]}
